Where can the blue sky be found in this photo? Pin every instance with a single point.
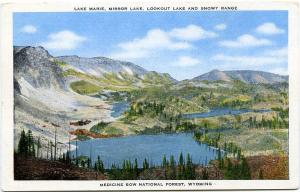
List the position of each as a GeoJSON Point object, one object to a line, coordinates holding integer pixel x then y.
{"type": "Point", "coordinates": [183, 44]}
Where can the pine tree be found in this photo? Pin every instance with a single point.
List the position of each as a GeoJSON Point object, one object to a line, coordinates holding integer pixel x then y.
{"type": "Point", "coordinates": [76, 160]}
{"type": "Point", "coordinates": [145, 164]}
{"type": "Point", "coordinates": [189, 171]}
{"type": "Point", "coordinates": [164, 162]}
{"type": "Point", "coordinates": [99, 166]}
{"type": "Point", "coordinates": [51, 154]}
{"type": "Point", "coordinates": [69, 151]}
{"type": "Point", "coordinates": [89, 163]}
{"type": "Point", "coordinates": [90, 158]}
{"type": "Point", "coordinates": [48, 150]}
{"type": "Point", "coordinates": [23, 145]}
{"type": "Point", "coordinates": [172, 170]}
{"type": "Point", "coordinates": [220, 158]}
{"type": "Point", "coordinates": [38, 147]}
{"type": "Point", "coordinates": [135, 168]}
{"type": "Point", "coordinates": [55, 144]}
{"type": "Point", "coordinates": [95, 166]}
{"type": "Point", "coordinates": [30, 144]}
{"type": "Point", "coordinates": [81, 162]}
{"type": "Point", "coordinates": [181, 161]}
{"type": "Point", "coordinates": [181, 167]}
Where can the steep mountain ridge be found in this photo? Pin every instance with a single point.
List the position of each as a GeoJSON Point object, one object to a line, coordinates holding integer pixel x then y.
{"type": "Point", "coordinates": [103, 73]}
{"type": "Point", "coordinates": [97, 66]}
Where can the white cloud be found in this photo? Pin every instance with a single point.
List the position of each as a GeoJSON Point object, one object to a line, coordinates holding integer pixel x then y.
{"type": "Point", "coordinates": [280, 71]}
{"type": "Point", "coordinates": [244, 41]}
{"type": "Point", "coordinates": [29, 29]}
{"type": "Point", "coordinates": [158, 41]}
{"type": "Point", "coordinates": [187, 61]}
{"type": "Point", "coordinates": [279, 52]}
{"type": "Point", "coordinates": [191, 33]}
{"type": "Point", "coordinates": [274, 59]}
{"type": "Point", "coordinates": [63, 40]}
{"type": "Point", "coordinates": [247, 61]}
{"type": "Point", "coordinates": [155, 40]}
{"type": "Point", "coordinates": [269, 29]}
{"type": "Point", "coordinates": [220, 27]}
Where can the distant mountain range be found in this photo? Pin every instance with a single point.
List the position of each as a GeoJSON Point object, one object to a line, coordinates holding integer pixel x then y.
{"type": "Point", "coordinates": [246, 76]}
{"type": "Point", "coordinates": [39, 68]}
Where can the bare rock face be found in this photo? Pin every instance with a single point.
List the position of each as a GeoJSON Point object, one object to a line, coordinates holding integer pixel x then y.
{"type": "Point", "coordinates": [97, 66]}
{"type": "Point", "coordinates": [36, 66]}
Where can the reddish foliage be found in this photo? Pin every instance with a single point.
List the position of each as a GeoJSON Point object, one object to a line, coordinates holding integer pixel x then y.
{"type": "Point", "coordinates": [80, 123]}
{"type": "Point", "coordinates": [271, 167]}
{"type": "Point", "coordinates": [93, 135]}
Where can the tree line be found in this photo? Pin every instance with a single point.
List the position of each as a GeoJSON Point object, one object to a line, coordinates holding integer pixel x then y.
{"type": "Point", "coordinates": [275, 123]}
{"type": "Point", "coordinates": [183, 169]}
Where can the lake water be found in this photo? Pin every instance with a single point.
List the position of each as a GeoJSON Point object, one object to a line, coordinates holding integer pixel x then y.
{"type": "Point", "coordinates": [119, 108]}
{"type": "Point", "coordinates": [152, 147]}
{"type": "Point", "coordinates": [223, 111]}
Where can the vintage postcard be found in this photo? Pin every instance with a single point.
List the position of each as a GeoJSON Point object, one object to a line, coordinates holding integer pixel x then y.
{"type": "Point", "coordinates": [129, 95]}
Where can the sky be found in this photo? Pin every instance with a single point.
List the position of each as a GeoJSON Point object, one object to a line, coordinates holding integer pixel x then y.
{"type": "Point", "coordinates": [183, 44]}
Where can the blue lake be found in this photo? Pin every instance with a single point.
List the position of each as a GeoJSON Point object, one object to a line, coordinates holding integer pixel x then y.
{"type": "Point", "coordinates": [220, 112]}
{"type": "Point", "coordinates": [152, 147]}
{"type": "Point", "coordinates": [119, 108]}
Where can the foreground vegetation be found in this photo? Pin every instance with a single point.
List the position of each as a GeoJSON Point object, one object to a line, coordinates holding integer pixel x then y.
{"type": "Point", "coordinates": [230, 164]}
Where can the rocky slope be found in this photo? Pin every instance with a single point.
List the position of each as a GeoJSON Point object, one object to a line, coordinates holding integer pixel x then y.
{"type": "Point", "coordinates": [34, 65]}
{"type": "Point", "coordinates": [97, 66]}
{"type": "Point", "coordinates": [43, 102]}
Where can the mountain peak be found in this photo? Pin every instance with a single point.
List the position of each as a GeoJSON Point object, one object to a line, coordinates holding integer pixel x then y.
{"type": "Point", "coordinates": [215, 71]}
{"type": "Point", "coordinates": [33, 51]}
{"type": "Point", "coordinates": [34, 65]}
{"type": "Point", "coordinates": [214, 75]}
